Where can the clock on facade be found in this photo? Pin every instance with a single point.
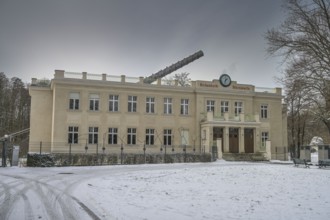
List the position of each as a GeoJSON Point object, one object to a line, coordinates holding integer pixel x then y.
{"type": "Point", "coordinates": [225, 80]}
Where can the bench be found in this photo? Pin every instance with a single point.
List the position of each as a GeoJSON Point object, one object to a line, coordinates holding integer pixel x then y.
{"type": "Point", "coordinates": [324, 163]}
{"type": "Point", "coordinates": [298, 162]}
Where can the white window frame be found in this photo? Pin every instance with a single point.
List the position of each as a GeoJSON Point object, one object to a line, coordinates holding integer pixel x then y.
{"type": "Point", "coordinates": [264, 111]}
{"type": "Point", "coordinates": [93, 135]}
{"type": "Point", "coordinates": [131, 136]}
{"type": "Point", "coordinates": [73, 133]}
{"type": "Point", "coordinates": [224, 107]}
{"type": "Point", "coordinates": [150, 104]}
{"type": "Point", "coordinates": [210, 105]}
{"type": "Point", "coordinates": [132, 103]}
{"type": "Point", "coordinates": [167, 140]}
{"type": "Point", "coordinates": [150, 136]}
{"type": "Point", "coordinates": [184, 108]}
{"type": "Point", "coordinates": [113, 136]}
{"type": "Point", "coordinates": [74, 101]}
{"type": "Point", "coordinates": [113, 103]}
{"type": "Point", "coordinates": [167, 106]}
{"type": "Point", "coordinates": [94, 102]}
{"type": "Point", "coordinates": [264, 138]}
{"type": "Point", "coordinates": [238, 108]}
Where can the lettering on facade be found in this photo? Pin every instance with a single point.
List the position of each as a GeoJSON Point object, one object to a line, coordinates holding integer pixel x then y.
{"type": "Point", "coordinates": [242, 87]}
{"type": "Point", "coordinates": [208, 85]}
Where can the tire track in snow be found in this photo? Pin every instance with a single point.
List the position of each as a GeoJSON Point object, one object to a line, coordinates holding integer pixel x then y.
{"type": "Point", "coordinates": [52, 196]}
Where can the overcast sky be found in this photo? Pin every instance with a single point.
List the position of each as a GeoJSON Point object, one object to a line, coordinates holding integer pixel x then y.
{"type": "Point", "coordinates": [139, 37]}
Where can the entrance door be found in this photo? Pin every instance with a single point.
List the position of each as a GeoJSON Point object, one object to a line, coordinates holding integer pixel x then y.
{"type": "Point", "coordinates": [248, 140]}
{"type": "Point", "coordinates": [233, 140]}
{"type": "Point", "coordinates": [218, 133]}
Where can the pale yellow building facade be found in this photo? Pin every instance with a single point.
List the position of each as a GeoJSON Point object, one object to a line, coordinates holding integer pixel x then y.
{"type": "Point", "coordinates": [88, 113]}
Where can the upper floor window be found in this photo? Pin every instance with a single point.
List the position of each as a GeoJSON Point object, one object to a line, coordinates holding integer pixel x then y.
{"type": "Point", "coordinates": [224, 106]}
{"type": "Point", "coordinates": [238, 108]}
{"type": "Point", "coordinates": [74, 101]}
{"type": "Point", "coordinates": [150, 105]}
{"type": "Point", "coordinates": [73, 135]}
{"type": "Point", "coordinates": [184, 106]}
{"type": "Point", "coordinates": [167, 105]}
{"type": "Point", "coordinates": [131, 136]}
{"type": "Point", "coordinates": [94, 102]}
{"type": "Point", "coordinates": [210, 105]}
{"type": "Point", "coordinates": [132, 103]}
{"type": "Point", "coordinates": [93, 134]}
{"type": "Point", "coordinates": [113, 136]}
{"type": "Point", "coordinates": [167, 137]}
{"type": "Point", "coordinates": [113, 103]}
{"type": "Point", "coordinates": [150, 136]}
{"type": "Point", "coordinates": [264, 111]}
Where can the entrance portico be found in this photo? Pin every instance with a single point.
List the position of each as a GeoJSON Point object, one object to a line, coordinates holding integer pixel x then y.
{"type": "Point", "coordinates": [237, 135]}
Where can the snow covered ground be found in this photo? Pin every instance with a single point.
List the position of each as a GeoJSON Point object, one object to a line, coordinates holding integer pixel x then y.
{"type": "Point", "coordinates": [219, 190]}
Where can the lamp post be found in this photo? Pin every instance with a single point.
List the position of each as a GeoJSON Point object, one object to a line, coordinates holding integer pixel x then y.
{"type": "Point", "coordinates": [4, 149]}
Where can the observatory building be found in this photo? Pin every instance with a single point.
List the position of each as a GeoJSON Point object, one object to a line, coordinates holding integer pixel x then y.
{"type": "Point", "coordinates": [89, 113]}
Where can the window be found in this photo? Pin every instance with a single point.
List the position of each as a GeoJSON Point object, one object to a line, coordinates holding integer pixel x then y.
{"type": "Point", "coordinates": [184, 137]}
{"type": "Point", "coordinates": [74, 101]}
{"type": "Point", "coordinates": [167, 105]}
{"type": "Point", "coordinates": [238, 108]}
{"type": "Point", "coordinates": [93, 135]}
{"type": "Point", "coordinates": [113, 103]}
{"type": "Point", "coordinates": [210, 105]}
{"type": "Point", "coordinates": [224, 106]}
{"type": "Point", "coordinates": [150, 136]}
{"type": "Point", "coordinates": [150, 105]}
{"type": "Point", "coordinates": [131, 136]}
{"type": "Point", "coordinates": [132, 103]}
{"type": "Point", "coordinates": [113, 136]}
{"type": "Point", "coordinates": [94, 101]}
{"type": "Point", "coordinates": [73, 135]}
{"type": "Point", "coordinates": [184, 107]}
{"type": "Point", "coordinates": [264, 138]}
{"type": "Point", "coordinates": [264, 111]}
{"type": "Point", "coordinates": [167, 137]}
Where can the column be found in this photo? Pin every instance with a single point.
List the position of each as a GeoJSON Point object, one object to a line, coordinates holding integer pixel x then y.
{"type": "Point", "coordinates": [241, 148]}
{"type": "Point", "coordinates": [226, 140]}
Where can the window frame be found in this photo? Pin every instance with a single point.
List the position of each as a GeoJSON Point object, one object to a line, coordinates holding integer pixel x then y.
{"type": "Point", "coordinates": [93, 135]}
{"type": "Point", "coordinates": [167, 137]}
{"type": "Point", "coordinates": [210, 105]}
{"type": "Point", "coordinates": [264, 113]}
{"type": "Point", "coordinates": [150, 136]}
{"type": "Point", "coordinates": [73, 133]}
{"type": "Point", "coordinates": [184, 107]}
{"type": "Point", "coordinates": [150, 105]}
{"type": "Point", "coordinates": [113, 103]}
{"type": "Point", "coordinates": [168, 106]}
{"type": "Point", "coordinates": [112, 136]}
{"type": "Point", "coordinates": [132, 103]}
{"type": "Point", "coordinates": [131, 136]}
{"type": "Point", "coordinates": [94, 102]}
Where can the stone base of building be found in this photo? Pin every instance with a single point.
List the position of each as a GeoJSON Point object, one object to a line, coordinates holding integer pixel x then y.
{"type": "Point", "coordinates": [260, 156]}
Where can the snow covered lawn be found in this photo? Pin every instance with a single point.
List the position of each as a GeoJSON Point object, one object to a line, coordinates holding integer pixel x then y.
{"type": "Point", "coordinates": [219, 190]}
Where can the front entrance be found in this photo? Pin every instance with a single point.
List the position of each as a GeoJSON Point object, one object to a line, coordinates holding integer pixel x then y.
{"type": "Point", "coordinates": [233, 140]}
{"type": "Point", "coordinates": [248, 140]}
{"type": "Point", "coordinates": [218, 133]}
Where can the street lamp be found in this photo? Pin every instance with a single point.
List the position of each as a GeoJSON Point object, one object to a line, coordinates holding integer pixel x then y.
{"type": "Point", "coordinates": [4, 149]}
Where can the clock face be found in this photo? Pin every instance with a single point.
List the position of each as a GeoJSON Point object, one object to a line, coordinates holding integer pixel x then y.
{"type": "Point", "coordinates": [225, 80]}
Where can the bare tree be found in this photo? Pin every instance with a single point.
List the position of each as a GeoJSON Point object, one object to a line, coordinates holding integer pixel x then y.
{"type": "Point", "coordinates": [182, 78]}
{"type": "Point", "coordinates": [303, 40]}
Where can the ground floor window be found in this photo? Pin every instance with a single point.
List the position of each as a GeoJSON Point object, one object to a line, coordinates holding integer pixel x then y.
{"type": "Point", "coordinates": [93, 135]}
{"type": "Point", "coordinates": [264, 138]}
{"type": "Point", "coordinates": [131, 136]}
{"type": "Point", "coordinates": [73, 135]}
{"type": "Point", "coordinates": [150, 136]}
{"type": "Point", "coordinates": [167, 137]}
{"type": "Point", "coordinates": [113, 136]}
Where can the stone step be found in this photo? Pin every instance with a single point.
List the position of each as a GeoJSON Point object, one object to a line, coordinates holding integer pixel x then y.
{"type": "Point", "coordinates": [244, 157]}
